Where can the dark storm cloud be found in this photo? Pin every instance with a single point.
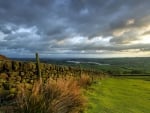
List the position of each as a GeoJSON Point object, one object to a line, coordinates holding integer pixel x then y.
{"type": "Point", "coordinates": [40, 25]}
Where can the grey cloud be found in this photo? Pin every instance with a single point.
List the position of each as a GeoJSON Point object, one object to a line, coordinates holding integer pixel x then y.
{"type": "Point", "coordinates": [5, 30]}
{"type": "Point", "coordinates": [57, 20]}
{"type": "Point", "coordinates": [146, 33]}
{"type": "Point", "coordinates": [125, 38]}
{"type": "Point", "coordinates": [118, 48]}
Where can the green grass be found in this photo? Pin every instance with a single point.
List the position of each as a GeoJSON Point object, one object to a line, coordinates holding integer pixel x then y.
{"type": "Point", "coordinates": [119, 95]}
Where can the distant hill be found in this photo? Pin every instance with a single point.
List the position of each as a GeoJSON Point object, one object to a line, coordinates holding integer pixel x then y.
{"type": "Point", "coordinates": [2, 57]}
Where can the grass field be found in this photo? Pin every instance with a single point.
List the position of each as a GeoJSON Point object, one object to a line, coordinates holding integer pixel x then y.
{"type": "Point", "coordinates": [119, 95]}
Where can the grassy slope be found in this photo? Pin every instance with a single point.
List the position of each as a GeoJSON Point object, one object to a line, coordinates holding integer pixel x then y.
{"type": "Point", "coordinates": [119, 95]}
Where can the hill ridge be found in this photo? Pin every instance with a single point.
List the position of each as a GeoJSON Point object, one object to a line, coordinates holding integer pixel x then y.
{"type": "Point", "coordinates": [2, 57]}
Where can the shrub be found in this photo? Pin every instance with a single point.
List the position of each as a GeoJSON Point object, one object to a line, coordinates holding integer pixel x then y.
{"type": "Point", "coordinates": [85, 81]}
{"type": "Point", "coordinates": [61, 96]}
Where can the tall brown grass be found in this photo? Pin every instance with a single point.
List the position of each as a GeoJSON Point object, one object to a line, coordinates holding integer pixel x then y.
{"type": "Point", "coordinates": [85, 81]}
{"type": "Point", "coordinates": [61, 96]}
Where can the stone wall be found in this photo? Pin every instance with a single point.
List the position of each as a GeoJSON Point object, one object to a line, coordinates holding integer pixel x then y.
{"type": "Point", "coordinates": [13, 73]}
{"type": "Point", "coordinates": [28, 70]}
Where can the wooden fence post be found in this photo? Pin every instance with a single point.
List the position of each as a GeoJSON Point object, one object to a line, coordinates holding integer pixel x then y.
{"type": "Point", "coordinates": [38, 66]}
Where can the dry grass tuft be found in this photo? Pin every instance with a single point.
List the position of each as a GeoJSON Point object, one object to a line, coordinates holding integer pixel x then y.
{"type": "Point", "coordinates": [61, 96]}
{"type": "Point", "coordinates": [85, 81]}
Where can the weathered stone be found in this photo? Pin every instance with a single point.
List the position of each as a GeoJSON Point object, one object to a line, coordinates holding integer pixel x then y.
{"type": "Point", "coordinates": [33, 66]}
{"type": "Point", "coordinates": [18, 82]}
{"type": "Point", "coordinates": [21, 66]}
{"type": "Point", "coordinates": [1, 66]}
{"type": "Point", "coordinates": [15, 65]}
{"type": "Point", "coordinates": [31, 81]}
{"type": "Point", "coordinates": [7, 66]}
{"type": "Point", "coordinates": [11, 79]}
{"type": "Point", "coordinates": [3, 76]}
{"type": "Point", "coordinates": [29, 66]}
{"type": "Point", "coordinates": [3, 92]}
{"type": "Point", "coordinates": [13, 74]}
{"type": "Point", "coordinates": [28, 80]}
{"type": "Point", "coordinates": [23, 81]}
{"type": "Point", "coordinates": [18, 78]}
{"type": "Point", "coordinates": [6, 86]}
{"type": "Point", "coordinates": [22, 73]}
{"type": "Point", "coordinates": [13, 90]}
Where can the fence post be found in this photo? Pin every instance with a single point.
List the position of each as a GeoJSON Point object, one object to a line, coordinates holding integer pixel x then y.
{"type": "Point", "coordinates": [38, 65]}
{"type": "Point", "coordinates": [80, 71]}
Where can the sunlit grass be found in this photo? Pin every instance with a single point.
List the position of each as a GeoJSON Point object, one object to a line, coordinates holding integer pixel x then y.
{"type": "Point", "coordinates": [119, 95]}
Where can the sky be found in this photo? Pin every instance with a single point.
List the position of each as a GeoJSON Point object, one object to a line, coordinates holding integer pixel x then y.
{"type": "Point", "coordinates": [75, 28]}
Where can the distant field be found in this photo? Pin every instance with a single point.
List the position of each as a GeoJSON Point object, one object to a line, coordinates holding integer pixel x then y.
{"type": "Point", "coordinates": [116, 66]}
{"type": "Point", "coordinates": [120, 95]}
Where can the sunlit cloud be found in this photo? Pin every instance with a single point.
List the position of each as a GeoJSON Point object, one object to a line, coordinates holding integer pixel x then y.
{"type": "Point", "coordinates": [130, 22]}
{"type": "Point", "coordinates": [75, 28]}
